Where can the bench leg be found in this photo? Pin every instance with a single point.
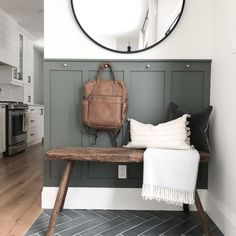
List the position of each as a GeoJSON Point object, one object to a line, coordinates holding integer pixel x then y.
{"type": "Point", "coordinates": [186, 208]}
{"type": "Point", "coordinates": [61, 195]}
{"type": "Point", "coordinates": [202, 215]}
{"type": "Point", "coordinates": [66, 184]}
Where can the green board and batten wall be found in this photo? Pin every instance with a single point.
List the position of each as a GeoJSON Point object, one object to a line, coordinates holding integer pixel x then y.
{"type": "Point", "coordinates": [152, 85]}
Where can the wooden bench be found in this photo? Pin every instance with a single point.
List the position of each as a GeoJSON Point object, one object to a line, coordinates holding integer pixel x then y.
{"type": "Point", "coordinates": [108, 154]}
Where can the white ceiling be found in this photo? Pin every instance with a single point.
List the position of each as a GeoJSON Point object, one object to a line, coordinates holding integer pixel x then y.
{"type": "Point", "coordinates": [29, 15]}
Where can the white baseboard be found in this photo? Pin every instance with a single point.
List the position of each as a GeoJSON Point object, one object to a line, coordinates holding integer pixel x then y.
{"type": "Point", "coordinates": [107, 198]}
{"type": "Point", "coordinates": [223, 217]}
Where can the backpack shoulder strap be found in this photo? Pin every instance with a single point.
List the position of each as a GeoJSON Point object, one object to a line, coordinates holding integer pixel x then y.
{"type": "Point", "coordinates": [114, 135]}
{"type": "Point", "coordinates": [92, 132]}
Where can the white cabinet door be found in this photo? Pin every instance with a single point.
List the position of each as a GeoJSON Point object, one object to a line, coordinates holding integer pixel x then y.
{"type": "Point", "coordinates": [28, 94]}
{"type": "Point", "coordinates": [9, 40]}
{"type": "Point", "coordinates": [2, 129]}
{"type": "Point", "coordinates": [28, 60]}
{"type": "Point", "coordinates": [35, 125]}
{"type": "Point", "coordinates": [28, 70]}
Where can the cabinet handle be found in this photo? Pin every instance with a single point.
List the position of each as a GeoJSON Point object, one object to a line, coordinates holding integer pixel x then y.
{"type": "Point", "coordinates": [31, 134]}
{"type": "Point", "coordinates": [32, 121]}
{"type": "Point", "coordinates": [29, 79]}
{"type": "Point", "coordinates": [20, 76]}
{"type": "Point", "coordinates": [41, 111]}
{"type": "Point", "coordinates": [32, 109]}
{"type": "Point", "coordinates": [29, 98]}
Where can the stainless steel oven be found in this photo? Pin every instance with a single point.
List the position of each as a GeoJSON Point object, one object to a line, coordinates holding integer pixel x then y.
{"type": "Point", "coordinates": [16, 130]}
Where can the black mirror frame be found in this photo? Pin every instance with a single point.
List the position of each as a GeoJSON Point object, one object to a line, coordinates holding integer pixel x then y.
{"type": "Point", "coordinates": [126, 52]}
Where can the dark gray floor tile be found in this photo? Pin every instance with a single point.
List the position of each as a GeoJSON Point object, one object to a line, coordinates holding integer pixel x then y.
{"type": "Point", "coordinates": [160, 215]}
{"type": "Point", "coordinates": [42, 218]}
{"type": "Point", "coordinates": [142, 214]}
{"type": "Point", "coordinates": [123, 227]}
{"type": "Point", "coordinates": [163, 227]}
{"type": "Point", "coordinates": [180, 214]}
{"type": "Point", "coordinates": [183, 227]}
{"type": "Point", "coordinates": [71, 213]}
{"type": "Point", "coordinates": [80, 228]}
{"type": "Point", "coordinates": [49, 212]}
{"type": "Point", "coordinates": [122, 223]}
{"type": "Point", "coordinates": [216, 232]}
{"type": "Point", "coordinates": [197, 230]}
{"type": "Point", "coordinates": [44, 225]}
{"type": "Point", "coordinates": [88, 213]}
{"type": "Point", "coordinates": [66, 225]}
{"type": "Point", "coordinates": [101, 228]}
{"type": "Point", "coordinates": [106, 213]}
{"type": "Point", "coordinates": [124, 214]}
{"type": "Point", "coordinates": [148, 224]}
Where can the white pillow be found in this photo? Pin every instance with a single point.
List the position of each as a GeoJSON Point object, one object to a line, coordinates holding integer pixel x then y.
{"type": "Point", "coordinates": [172, 135]}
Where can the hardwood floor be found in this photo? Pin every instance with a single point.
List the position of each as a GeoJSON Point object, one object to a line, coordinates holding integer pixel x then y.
{"type": "Point", "coordinates": [21, 181]}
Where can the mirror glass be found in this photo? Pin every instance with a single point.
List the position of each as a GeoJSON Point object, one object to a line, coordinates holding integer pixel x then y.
{"type": "Point", "coordinates": [127, 26]}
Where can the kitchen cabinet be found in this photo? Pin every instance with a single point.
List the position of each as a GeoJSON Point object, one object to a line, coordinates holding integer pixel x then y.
{"type": "Point", "coordinates": [2, 129]}
{"type": "Point", "coordinates": [28, 59]}
{"type": "Point", "coordinates": [9, 40]}
{"type": "Point", "coordinates": [28, 69]}
{"type": "Point", "coordinates": [8, 75]}
{"type": "Point", "coordinates": [17, 51]}
{"type": "Point", "coordinates": [35, 125]}
{"type": "Point", "coordinates": [28, 94]}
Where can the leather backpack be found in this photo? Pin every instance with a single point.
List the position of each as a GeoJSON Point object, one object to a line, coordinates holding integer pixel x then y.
{"type": "Point", "coordinates": [105, 104]}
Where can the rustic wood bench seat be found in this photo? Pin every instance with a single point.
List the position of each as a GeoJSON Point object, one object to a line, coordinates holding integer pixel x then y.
{"type": "Point", "coordinates": [104, 154]}
{"type": "Point", "coordinates": [101, 154]}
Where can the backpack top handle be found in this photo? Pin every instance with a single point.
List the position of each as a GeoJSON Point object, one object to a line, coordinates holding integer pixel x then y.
{"type": "Point", "coordinates": [102, 68]}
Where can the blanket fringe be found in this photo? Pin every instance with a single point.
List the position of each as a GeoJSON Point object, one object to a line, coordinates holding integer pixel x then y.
{"type": "Point", "coordinates": [167, 195]}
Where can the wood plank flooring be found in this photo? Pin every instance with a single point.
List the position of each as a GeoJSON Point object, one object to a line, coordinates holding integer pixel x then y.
{"type": "Point", "coordinates": [21, 181]}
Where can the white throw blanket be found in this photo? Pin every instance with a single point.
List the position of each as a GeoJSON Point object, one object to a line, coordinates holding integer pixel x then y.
{"type": "Point", "coordinates": [170, 175]}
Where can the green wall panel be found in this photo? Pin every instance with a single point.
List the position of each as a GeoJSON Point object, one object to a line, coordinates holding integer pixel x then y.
{"type": "Point", "coordinates": [187, 89]}
{"type": "Point", "coordinates": [66, 118]}
{"type": "Point", "coordinates": [147, 96]}
{"type": "Point", "coordinates": [151, 85]}
{"type": "Point", "coordinates": [100, 170]}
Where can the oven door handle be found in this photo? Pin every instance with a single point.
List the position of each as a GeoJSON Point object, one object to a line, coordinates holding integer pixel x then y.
{"type": "Point", "coordinates": [25, 121]}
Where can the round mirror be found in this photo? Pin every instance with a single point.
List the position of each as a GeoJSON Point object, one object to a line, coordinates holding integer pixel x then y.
{"type": "Point", "coordinates": [127, 26]}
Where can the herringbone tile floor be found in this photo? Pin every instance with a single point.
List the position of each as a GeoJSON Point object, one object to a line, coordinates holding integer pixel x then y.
{"type": "Point", "coordinates": [122, 223]}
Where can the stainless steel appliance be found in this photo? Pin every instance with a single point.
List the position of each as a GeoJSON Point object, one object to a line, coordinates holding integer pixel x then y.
{"type": "Point", "coordinates": [16, 127]}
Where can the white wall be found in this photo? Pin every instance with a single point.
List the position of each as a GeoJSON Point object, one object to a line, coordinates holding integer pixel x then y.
{"type": "Point", "coordinates": [38, 77]}
{"type": "Point", "coordinates": [222, 172]}
{"type": "Point", "coordinates": [190, 39]}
